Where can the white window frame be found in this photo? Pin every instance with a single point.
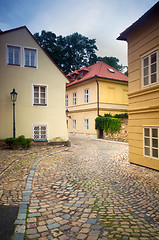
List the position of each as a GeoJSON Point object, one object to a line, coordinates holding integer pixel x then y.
{"type": "Point", "coordinates": [40, 125]}
{"type": "Point", "coordinates": [86, 95]}
{"type": "Point", "coordinates": [35, 60]}
{"type": "Point", "coordinates": [86, 124]}
{"type": "Point", "coordinates": [148, 55]}
{"type": "Point", "coordinates": [7, 55]}
{"type": "Point", "coordinates": [46, 94]}
{"type": "Point", "coordinates": [74, 98]}
{"type": "Point", "coordinates": [66, 100]}
{"type": "Point", "coordinates": [149, 144]}
{"type": "Point", "coordinates": [74, 124]}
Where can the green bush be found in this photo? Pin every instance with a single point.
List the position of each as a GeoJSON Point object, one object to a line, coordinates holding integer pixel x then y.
{"type": "Point", "coordinates": [20, 142]}
{"type": "Point", "coordinates": [108, 124]}
{"type": "Point", "coordinates": [121, 115]}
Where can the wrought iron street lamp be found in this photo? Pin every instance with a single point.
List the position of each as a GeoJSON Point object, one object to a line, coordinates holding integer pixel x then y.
{"type": "Point", "coordinates": [13, 95]}
{"type": "Point", "coordinates": [67, 112]}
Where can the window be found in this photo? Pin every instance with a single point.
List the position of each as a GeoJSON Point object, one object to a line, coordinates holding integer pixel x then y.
{"type": "Point", "coordinates": [86, 124]}
{"type": "Point", "coordinates": [40, 132]}
{"type": "Point", "coordinates": [151, 142]}
{"type": "Point", "coordinates": [67, 123]}
{"type": "Point", "coordinates": [74, 98]}
{"type": "Point", "coordinates": [66, 100]}
{"type": "Point", "coordinates": [30, 57]}
{"type": "Point", "coordinates": [40, 95]}
{"type": "Point", "coordinates": [86, 96]}
{"type": "Point", "coordinates": [13, 55]}
{"type": "Point", "coordinates": [74, 124]}
{"type": "Point", "coordinates": [150, 71]}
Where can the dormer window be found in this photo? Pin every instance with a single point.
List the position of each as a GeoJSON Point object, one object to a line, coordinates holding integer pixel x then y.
{"type": "Point", "coordinates": [81, 75]}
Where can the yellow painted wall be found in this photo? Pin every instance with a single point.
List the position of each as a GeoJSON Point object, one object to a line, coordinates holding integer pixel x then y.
{"type": "Point", "coordinates": [22, 78]}
{"type": "Point", "coordinates": [113, 92]}
{"type": "Point", "coordinates": [79, 90]}
{"type": "Point", "coordinates": [82, 110]}
{"type": "Point", "coordinates": [143, 101]}
{"type": "Point", "coordinates": [79, 117]}
{"type": "Point", "coordinates": [118, 104]}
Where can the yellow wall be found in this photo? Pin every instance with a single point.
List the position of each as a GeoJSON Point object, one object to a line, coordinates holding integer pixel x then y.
{"type": "Point", "coordinates": [143, 101]}
{"type": "Point", "coordinates": [113, 97]}
{"type": "Point", "coordinates": [79, 117]}
{"type": "Point", "coordinates": [113, 92]}
{"type": "Point", "coordinates": [22, 78]}
{"type": "Point", "coordinates": [114, 103]}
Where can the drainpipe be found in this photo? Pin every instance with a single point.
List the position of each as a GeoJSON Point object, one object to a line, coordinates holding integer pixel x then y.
{"type": "Point", "coordinates": [97, 95]}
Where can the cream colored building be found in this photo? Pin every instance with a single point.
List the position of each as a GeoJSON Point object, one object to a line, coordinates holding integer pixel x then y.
{"type": "Point", "coordinates": [143, 65]}
{"type": "Point", "coordinates": [94, 91]}
{"type": "Point", "coordinates": [40, 106]}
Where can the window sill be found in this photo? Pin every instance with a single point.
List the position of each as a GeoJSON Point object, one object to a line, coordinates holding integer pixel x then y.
{"type": "Point", "coordinates": [39, 140]}
{"type": "Point", "coordinates": [10, 64]}
{"type": "Point", "coordinates": [39, 104]}
{"type": "Point", "coordinates": [30, 66]}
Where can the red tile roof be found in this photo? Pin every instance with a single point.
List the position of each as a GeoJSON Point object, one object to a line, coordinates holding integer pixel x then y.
{"type": "Point", "coordinates": [101, 70]}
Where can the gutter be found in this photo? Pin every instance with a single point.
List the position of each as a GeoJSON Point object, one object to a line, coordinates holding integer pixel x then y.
{"type": "Point", "coordinates": [97, 95]}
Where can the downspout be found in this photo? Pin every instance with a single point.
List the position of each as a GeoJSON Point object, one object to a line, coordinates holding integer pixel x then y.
{"type": "Point", "coordinates": [97, 95]}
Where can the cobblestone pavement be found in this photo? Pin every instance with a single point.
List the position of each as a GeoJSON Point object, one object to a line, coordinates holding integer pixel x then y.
{"type": "Point", "coordinates": [92, 192]}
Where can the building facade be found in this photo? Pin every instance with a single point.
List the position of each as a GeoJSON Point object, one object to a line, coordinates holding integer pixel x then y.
{"type": "Point", "coordinates": [143, 65]}
{"type": "Point", "coordinates": [40, 108]}
{"type": "Point", "coordinates": [93, 91]}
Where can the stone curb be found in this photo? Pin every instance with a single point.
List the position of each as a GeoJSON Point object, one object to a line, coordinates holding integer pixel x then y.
{"type": "Point", "coordinates": [20, 223]}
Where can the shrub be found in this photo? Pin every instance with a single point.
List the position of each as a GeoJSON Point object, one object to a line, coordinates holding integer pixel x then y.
{"type": "Point", "coordinates": [20, 142]}
{"type": "Point", "coordinates": [121, 115]}
{"type": "Point", "coordinates": [108, 124]}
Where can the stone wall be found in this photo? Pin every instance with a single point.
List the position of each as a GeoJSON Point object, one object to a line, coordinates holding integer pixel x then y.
{"type": "Point", "coordinates": [122, 136]}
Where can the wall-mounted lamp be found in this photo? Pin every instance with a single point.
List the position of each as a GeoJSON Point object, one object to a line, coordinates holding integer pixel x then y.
{"type": "Point", "coordinates": [67, 112]}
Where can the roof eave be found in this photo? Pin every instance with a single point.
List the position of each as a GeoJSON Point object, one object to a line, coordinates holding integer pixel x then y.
{"type": "Point", "coordinates": [123, 35]}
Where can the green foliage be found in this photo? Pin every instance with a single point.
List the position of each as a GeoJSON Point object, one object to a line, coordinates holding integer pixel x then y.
{"type": "Point", "coordinates": [69, 53]}
{"type": "Point", "coordinates": [121, 115]}
{"type": "Point", "coordinates": [20, 142]}
{"type": "Point", "coordinates": [108, 124]}
{"type": "Point", "coordinates": [113, 62]}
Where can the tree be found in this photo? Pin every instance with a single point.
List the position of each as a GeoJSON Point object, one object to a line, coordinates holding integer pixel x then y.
{"type": "Point", "coordinates": [69, 53]}
{"type": "Point", "coordinates": [113, 62]}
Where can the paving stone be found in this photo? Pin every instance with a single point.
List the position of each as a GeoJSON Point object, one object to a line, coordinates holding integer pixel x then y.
{"type": "Point", "coordinates": [91, 192]}
{"type": "Point", "coordinates": [18, 236]}
{"type": "Point", "coordinates": [20, 229]}
{"type": "Point", "coordinates": [42, 229]}
{"type": "Point", "coordinates": [54, 225]}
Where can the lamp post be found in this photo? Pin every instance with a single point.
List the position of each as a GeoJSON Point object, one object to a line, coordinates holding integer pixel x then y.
{"type": "Point", "coordinates": [13, 95]}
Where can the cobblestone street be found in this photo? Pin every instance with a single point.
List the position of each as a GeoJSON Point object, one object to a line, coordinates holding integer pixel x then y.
{"type": "Point", "coordinates": [91, 192]}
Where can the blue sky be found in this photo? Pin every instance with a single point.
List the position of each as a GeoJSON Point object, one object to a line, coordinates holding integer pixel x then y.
{"type": "Point", "coordinates": [103, 20]}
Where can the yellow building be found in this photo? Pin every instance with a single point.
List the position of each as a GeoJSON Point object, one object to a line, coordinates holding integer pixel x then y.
{"type": "Point", "coordinates": [40, 106]}
{"type": "Point", "coordinates": [94, 91]}
{"type": "Point", "coordinates": [143, 65]}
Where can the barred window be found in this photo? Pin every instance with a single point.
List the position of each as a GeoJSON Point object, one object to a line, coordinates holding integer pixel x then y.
{"type": "Point", "coordinates": [40, 133]}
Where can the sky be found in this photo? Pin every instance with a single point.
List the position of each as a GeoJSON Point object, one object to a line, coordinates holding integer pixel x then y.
{"type": "Point", "coordinates": [102, 20]}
